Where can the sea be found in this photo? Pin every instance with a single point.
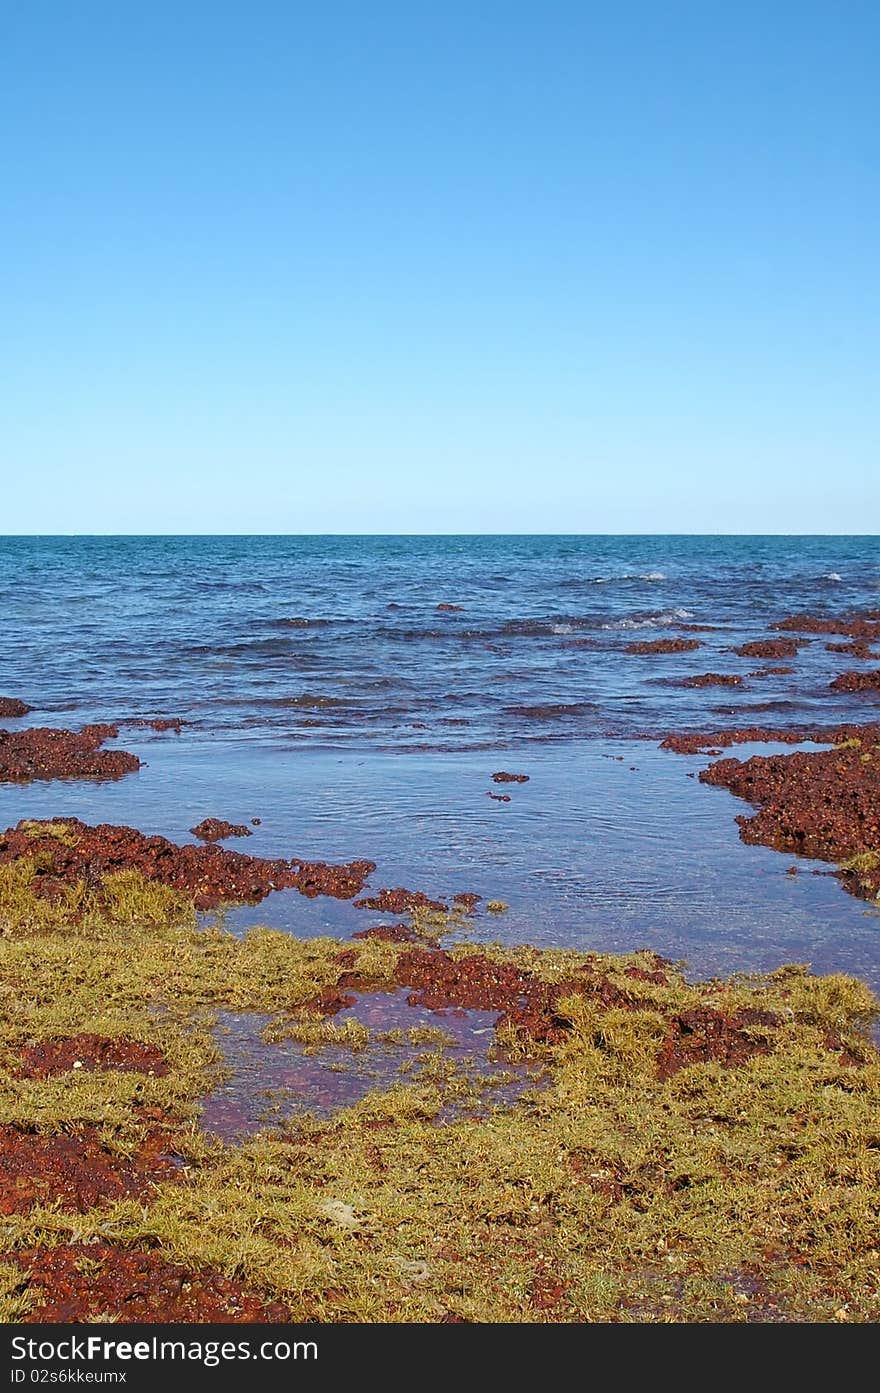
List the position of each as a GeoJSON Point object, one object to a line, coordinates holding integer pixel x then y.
{"type": "Point", "coordinates": [356, 694]}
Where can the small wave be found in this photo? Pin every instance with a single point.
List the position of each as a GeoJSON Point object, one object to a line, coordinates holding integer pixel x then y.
{"type": "Point", "coordinates": [552, 711]}
{"type": "Point", "coordinates": [575, 581]}
{"type": "Point", "coordinates": [563, 629]}
{"type": "Point", "coordinates": [298, 621]}
{"type": "Point", "coordinates": [652, 621]}
{"type": "Point", "coordinates": [831, 575]}
{"type": "Point", "coordinates": [316, 701]}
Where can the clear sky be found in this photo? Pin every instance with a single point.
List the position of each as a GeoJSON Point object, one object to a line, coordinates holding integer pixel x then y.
{"type": "Point", "coordinates": [462, 266]}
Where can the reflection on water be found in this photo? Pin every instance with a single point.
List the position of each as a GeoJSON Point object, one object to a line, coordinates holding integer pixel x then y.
{"type": "Point", "coordinates": [268, 1083]}
{"type": "Point", "coordinates": [610, 846]}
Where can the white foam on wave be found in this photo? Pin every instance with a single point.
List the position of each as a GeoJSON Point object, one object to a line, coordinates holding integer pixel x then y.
{"type": "Point", "coordinates": [832, 575]}
{"type": "Point", "coordinates": [563, 629]}
{"type": "Point", "coordinates": [653, 621]}
{"type": "Point", "coordinates": [629, 575]}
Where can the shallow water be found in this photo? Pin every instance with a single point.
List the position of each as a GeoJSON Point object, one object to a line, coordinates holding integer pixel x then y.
{"type": "Point", "coordinates": [338, 641]}
{"type": "Point", "coordinates": [269, 1082]}
{"type": "Point", "coordinates": [373, 732]}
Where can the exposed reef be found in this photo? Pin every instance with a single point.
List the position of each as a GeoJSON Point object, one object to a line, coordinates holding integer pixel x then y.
{"type": "Point", "coordinates": [43, 753]}
{"type": "Point", "coordinates": [71, 852]}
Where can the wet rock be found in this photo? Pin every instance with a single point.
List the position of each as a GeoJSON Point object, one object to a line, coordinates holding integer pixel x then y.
{"type": "Point", "coordinates": [43, 753]}
{"type": "Point", "coordinates": [663, 645]}
{"type": "Point", "coordinates": [855, 647]}
{"type": "Point", "coordinates": [440, 981]}
{"type": "Point", "coordinates": [499, 797]}
{"type": "Point", "coordinates": [697, 742]}
{"type": "Point", "coordinates": [74, 1172]}
{"type": "Point", "coordinates": [399, 901]}
{"type": "Point", "coordinates": [214, 829]}
{"type": "Point", "coordinates": [451, 609]}
{"type": "Point", "coordinates": [824, 805]}
{"type": "Point", "coordinates": [704, 1035]}
{"type": "Point", "coordinates": [504, 778]}
{"type": "Point", "coordinates": [864, 626]}
{"type": "Point", "coordinates": [467, 899]}
{"type": "Point", "coordinates": [856, 682]}
{"type": "Point", "coordinates": [388, 933]}
{"type": "Point", "coordinates": [11, 706]}
{"type": "Point", "coordinates": [771, 648]}
{"type": "Point", "coordinates": [90, 1052]}
{"type": "Point", "coordinates": [209, 875]}
{"type": "Point", "coordinates": [79, 1282]}
{"type": "Point", "coordinates": [712, 679]}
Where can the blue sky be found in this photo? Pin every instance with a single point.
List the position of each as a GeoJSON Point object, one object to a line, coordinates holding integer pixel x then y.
{"type": "Point", "coordinates": [459, 267]}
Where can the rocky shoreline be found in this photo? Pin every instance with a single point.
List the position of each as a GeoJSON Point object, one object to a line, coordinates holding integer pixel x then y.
{"type": "Point", "coordinates": [686, 1151]}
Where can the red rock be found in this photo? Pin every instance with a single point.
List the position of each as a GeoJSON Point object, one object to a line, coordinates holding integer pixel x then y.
{"type": "Point", "coordinates": [695, 742]}
{"type": "Point", "coordinates": [90, 1052]}
{"type": "Point", "coordinates": [11, 706]}
{"type": "Point", "coordinates": [855, 647]}
{"type": "Point", "coordinates": [712, 679]}
{"type": "Point", "coordinates": [399, 901]}
{"type": "Point", "coordinates": [214, 829]}
{"type": "Point", "coordinates": [209, 875]}
{"type": "Point", "coordinates": [771, 648]}
{"type": "Point", "coordinates": [864, 626]}
{"type": "Point", "coordinates": [856, 682]}
{"type": "Point", "coordinates": [74, 1171]}
{"type": "Point", "coordinates": [824, 805]}
{"type": "Point", "coordinates": [43, 753]}
{"type": "Point", "coordinates": [79, 1282]}
{"type": "Point", "coordinates": [663, 645]}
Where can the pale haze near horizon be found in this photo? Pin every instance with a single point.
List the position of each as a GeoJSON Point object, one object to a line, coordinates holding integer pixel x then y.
{"type": "Point", "coordinates": [494, 268]}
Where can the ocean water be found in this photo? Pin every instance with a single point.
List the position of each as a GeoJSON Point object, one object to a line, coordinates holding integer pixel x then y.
{"type": "Point", "coordinates": [327, 694]}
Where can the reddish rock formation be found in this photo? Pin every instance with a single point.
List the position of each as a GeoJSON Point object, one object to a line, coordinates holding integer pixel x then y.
{"type": "Point", "coordinates": [663, 645]}
{"type": "Point", "coordinates": [499, 797]}
{"type": "Point", "coordinates": [451, 609]}
{"type": "Point", "coordinates": [388, 933]}
{"type": "Point", "coordinates": [11, 706]}
{"type": "Point", "coordinates": [865, 626]}
{"type": "Point", "coordinates": [504, 778]}
{"type": "Point", "coordinates": [399, 901]}
{"type": "Point", "coordinates": [702, 742]}
{"type": "Point", "coordinates": [771, 648]}
{"type": "Point", "coordinates": [855, 647]}
{"type": "Point", "coordinates": [90, 1052]}
{"type": "Point", "coordinates": [824, 804]}
{"type": "Point", "coordinates": [856, 682]}
{"type": "Point", "coordinates": [703, 1035]}
{"type": "Point", "coordinates": [43, 753]}
{"type": "Point", "coordinates": [78, 1282]}
{"type": "Point", "coordinates": [712, 679]}
{"type": "Point", "coordinates": [214, 829]}
{"type": "Point", "coordinates": [210, 875]}
{"type": "Point", "coordinates": [440, 981]}
{"type": "Point", "coordinates": [74, 1172]}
